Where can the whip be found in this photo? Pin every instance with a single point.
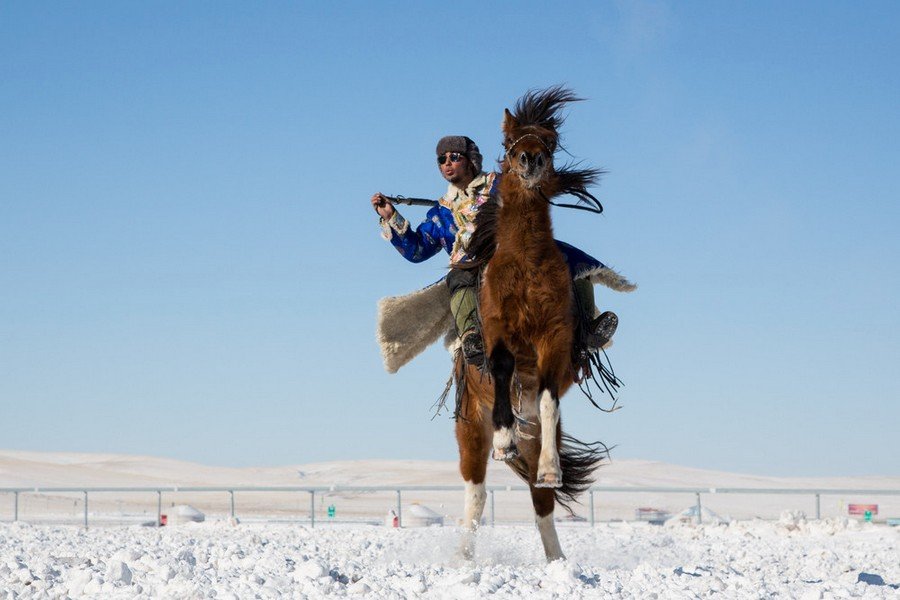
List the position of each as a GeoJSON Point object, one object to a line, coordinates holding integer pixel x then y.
{"type": "Point", "coordinates": [398, 199]}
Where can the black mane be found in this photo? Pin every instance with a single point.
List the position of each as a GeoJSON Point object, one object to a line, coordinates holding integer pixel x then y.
{"type": "Point", "coordinates": [541, 108]}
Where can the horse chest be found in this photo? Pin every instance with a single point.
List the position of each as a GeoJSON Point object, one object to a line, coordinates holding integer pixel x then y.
{"type": "Point", "coordinates": [530, 287]}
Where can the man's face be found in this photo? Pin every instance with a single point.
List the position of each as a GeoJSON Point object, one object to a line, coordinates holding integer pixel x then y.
{"type": "Point", "coordinates": [456, 168]}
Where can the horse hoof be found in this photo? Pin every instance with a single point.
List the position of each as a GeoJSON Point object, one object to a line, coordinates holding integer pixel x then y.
{"type": "Point", "coordinates": [554, 557]}
{"type": "Point", "coordinates": [506, 454]}
{"type": "Point", "coordinates": [466, 549]}
{"type": "Point", "coordinates": [548, 480]}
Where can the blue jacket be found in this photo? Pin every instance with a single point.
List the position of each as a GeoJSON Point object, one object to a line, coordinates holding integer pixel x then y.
{"type": "Point", "coordinates": [436, 232]}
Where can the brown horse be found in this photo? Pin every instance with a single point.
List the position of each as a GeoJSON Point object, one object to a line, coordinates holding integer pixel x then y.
{"type": "Point", "coordinates": [527, 314]}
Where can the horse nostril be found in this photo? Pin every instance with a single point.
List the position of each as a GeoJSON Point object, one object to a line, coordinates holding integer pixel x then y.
{"type": "Point", "coordinates": [524, 157]}
{"type": "Point", "coordinates": [540, 160]}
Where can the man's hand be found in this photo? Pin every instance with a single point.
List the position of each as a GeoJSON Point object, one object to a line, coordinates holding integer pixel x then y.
{"type": "Point", "coordinates": [381, 205]}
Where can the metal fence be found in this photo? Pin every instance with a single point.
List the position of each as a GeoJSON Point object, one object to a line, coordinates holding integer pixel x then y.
{"type": "Point", "coordinates": [805, 498]}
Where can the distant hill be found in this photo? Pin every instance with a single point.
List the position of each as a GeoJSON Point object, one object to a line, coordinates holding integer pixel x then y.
{"type": "Point", "coordinates": [31, 469]}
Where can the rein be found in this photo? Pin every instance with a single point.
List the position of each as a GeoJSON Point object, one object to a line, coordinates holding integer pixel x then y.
{"type": "Point", "coordinates": [582, 195]}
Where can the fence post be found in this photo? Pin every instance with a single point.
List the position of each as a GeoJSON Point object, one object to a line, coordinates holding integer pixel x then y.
{"type": "Point", "coordinates": [159, 508]}
{"type": "Point", "coordinates": [16, 506]}
{"type": "Point", "coordinates": [699, 510]}
{"type": "Point", "coordinates": [492, 508]}
{"type": "Point", "coordinates": [592, 507]}
{"type": "Point", "coordinates": [85, 509]}
{"type": "Point", "coordinates": [312, 508]}
{"type": "Point", "coordinates": [818, 511]}
{"type": "Point", "coordinates": [399, 513]}
{"type": "Point", "coordinates": [231, 492]}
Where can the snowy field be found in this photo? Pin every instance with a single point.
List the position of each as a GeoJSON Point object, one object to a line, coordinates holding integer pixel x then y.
{"type": "Point", "coordinates": [792, 558]}
{"type": "Point", "coordinates": [750, 557]}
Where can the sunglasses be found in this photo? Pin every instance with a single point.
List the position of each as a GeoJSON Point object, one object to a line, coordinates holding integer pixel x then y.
{"type": "Point", "coordinates": [453, 156]}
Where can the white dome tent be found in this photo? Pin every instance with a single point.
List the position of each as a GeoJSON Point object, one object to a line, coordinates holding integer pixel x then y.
{"type": "Point", "coordinates": [689, 515]}
{"type": "Point", "coordinates": [417, 515]}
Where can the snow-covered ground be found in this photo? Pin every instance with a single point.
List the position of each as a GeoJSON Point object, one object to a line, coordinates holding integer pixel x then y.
{"type": "Point", "coordinates": [221, 558]}
{"type": "Point", "coordinates": [753, 559]}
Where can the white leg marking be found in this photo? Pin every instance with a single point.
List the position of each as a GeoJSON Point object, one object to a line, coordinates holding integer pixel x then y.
{"type": "Point", "coordinates": [503, 438]}
{"type": "Point", "coordinates": [475, 498]}
{"type": "Point", "coordinates": [548, 463]}
{"type": "Point", "coordinates": [547, 528]}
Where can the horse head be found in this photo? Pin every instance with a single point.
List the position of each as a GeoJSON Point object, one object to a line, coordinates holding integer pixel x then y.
{"type": "Point", "coordinates": [529, 151]}
{"type": "Point", "coordinates": [531, 135]}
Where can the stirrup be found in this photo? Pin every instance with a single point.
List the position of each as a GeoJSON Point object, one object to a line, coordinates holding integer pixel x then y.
{"type": "Point", "coordinates": [601, 330]}
{"type": "Point", "coordinates": [473, 348]}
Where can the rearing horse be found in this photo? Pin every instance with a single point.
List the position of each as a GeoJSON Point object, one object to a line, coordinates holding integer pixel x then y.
{"type": "Point", "coordinates": [528, 319]}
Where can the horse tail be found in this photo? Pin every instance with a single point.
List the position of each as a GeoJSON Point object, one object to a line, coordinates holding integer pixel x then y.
{"type": "Point", "coordinates": [578, 461]}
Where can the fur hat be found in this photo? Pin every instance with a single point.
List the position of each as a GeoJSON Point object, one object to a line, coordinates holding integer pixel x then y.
{"type": "Point", "coordinates": [463, 145]}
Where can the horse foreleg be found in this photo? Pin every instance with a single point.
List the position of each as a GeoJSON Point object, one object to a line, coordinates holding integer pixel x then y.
{"type": "Point", "coordinates": [549, 473]}
{"type": "Point", "coordinates": [555, 372]}
{"type": "Point", "coordinates": [543, 501]}
{"type": "Point", "coordinates": [503, 364]}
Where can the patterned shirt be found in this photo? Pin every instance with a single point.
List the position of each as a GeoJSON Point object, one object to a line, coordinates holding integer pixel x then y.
{"type": "Point", "coordinates": [464, 205]}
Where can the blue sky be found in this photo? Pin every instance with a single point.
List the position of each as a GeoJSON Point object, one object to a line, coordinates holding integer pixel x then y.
{"type": "Point", "coordinates": [189, 266]}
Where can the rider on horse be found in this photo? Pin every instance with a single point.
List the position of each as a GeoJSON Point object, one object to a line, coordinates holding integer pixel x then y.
{"type": "Point", "coordinates": [450, 225]}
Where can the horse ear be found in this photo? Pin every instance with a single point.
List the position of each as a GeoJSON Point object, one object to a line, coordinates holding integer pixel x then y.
{"type": "Point", "coordinates": [509, 121]}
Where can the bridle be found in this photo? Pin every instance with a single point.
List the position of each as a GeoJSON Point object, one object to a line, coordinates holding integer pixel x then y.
{"type": "Point", "coordinates": [510, 147]}
{"type": "Point", "coordinates": [582, 194]}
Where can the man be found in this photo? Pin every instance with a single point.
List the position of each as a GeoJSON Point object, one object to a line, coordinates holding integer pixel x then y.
{"type": "Point", "coordinates": [449, 226]}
